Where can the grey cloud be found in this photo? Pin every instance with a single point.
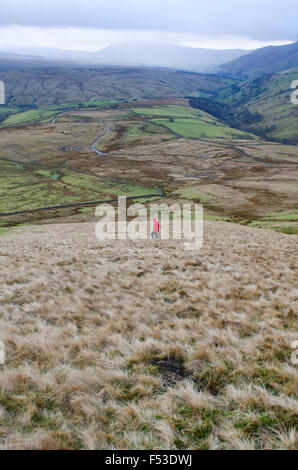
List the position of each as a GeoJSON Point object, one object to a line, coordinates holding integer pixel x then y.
{"type": "Point", "coordinates": [260, 19]}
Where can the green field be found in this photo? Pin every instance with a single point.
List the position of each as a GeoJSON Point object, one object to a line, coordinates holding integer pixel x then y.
{"type": "Point", "coordinates": [284, 227]}
{"type": "Point", "coordinates": [181, 120]}
{"type": "Point", "coordinates": [192, 194]}
{"type": "Point", "coordinates": [171, 111]}
{"type": "Point", "coordinates": [283, 216]}
{"type": "Point", "coordinates": [4, 110]}
{"type": "Point", "coordinates": [189, 122]}
{"type": "Point", "coordinates": [146, 129]}
{"type": "Point", "coordinates": [25, 187]}
{"type": "Point", "coordinates": [96, 103]}
{"type": "Point", "coordinates": [32, 115]}
{"type": "Point", "coordinates": [199, 128]}
{"type": "Point", "coordinates": [47, 112]}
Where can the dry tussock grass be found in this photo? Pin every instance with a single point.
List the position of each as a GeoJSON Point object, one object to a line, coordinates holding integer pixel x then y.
{"type": "Point", "coordinates": [134, 345]}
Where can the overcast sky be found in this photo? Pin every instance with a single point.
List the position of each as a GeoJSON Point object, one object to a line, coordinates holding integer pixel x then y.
{"type": "Point", "coordinates": [92, 24]}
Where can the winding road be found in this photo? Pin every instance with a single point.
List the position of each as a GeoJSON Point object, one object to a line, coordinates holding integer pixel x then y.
{"type": "Point", "coordinates": [93, 145]}
{"type": "Point", "coordinates": [55, 119]}
{"type": "Point", "coordinates": [86, 203]}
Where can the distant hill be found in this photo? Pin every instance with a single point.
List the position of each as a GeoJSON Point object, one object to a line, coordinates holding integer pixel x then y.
{"type": "Point", "coordinates": [9, 60]}
{"type": "Point", "coordinates": [265, 60]}
{"type": "Point", "coordinates": [48, 53]}
{"type": "Point", "coordinates": [167, 55]}
{"type": "Point", "coordinates": [143, 54]}
{"type": "Point", "coordinates": [43, 85]}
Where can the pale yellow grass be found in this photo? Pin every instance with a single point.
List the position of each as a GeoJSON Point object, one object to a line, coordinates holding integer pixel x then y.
{"type": "Point", "coordinates": [141, 345]}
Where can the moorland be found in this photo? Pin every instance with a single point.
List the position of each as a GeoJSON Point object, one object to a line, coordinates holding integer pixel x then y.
{"type": "Point", "coordinates": [141, 344]}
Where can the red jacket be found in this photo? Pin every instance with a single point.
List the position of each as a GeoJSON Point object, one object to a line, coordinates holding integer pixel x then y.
{"type": "Point", "coordinates": [155, 225]}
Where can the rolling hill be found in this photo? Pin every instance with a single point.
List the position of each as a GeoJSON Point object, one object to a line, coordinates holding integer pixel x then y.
{"type": "Point", "coordinates": [248, 99]}
{"type": "Point", "coordinates": [48, 85]}
{"type": "Point", "coordinates": [261, 105]}
{"type": "Point", "coordinates": [265, 60]}
{"type": "Point", "coordinates": [268, 98]}
{"type": "Point", "coordinates": [279, 115]}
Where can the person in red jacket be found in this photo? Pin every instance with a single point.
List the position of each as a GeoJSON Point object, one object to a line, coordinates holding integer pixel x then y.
{"type": "Point", "coordinates": [155, 232]}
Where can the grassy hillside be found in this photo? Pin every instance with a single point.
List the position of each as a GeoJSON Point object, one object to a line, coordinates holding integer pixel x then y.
{"type": "Point", "coordinates": [57, 85]}
{"type": "Point", "coordinates": [6, 111]}
{"type": "Point", "coordinates": [32, 115]}
{"type": "Point", "coordinates": [273, 102]}
{"type": "Point", "coordinates": [15, 116]}
{"type": "Point", "coordinates": [262, 105]}
{"type": "Point", "coordinates": [25, 187]}
{"type": "Point", "coordinates": [190, 123]}
{"type": "Point", "coordinates": [165, 143]}
{"type": "Point", "coordinates": [265, 60]}
{"type": "Point", "coordinates": [142, 344]}
{"type": "Point", "coordinates": [147, 345]}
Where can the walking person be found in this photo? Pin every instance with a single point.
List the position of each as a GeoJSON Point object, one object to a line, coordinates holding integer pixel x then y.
{"type": "Point", "coordinates": [155, 233]}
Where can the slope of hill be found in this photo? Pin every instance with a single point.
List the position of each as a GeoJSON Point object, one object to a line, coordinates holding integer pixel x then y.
{"type": "Point", "coordinates": [66, 84]}
{"type": "Point", "coordinates": [17, 61]}
{"type": "Point", "coordinates": [51, 53]}
{"type": "Point", "coordinates": [261, 105]}
{"type": "Point", "coordinates": [265, 60]}
{"type": "Point", "coordinates": [279, 115]}
{"type": "Point", "coordinates": [135, 340]}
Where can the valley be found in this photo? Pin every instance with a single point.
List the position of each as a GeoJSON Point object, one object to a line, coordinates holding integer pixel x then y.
{"type": "Point", "coordinates": [165, 145]}
{"type": "Point", "coordinates": [142, 344]}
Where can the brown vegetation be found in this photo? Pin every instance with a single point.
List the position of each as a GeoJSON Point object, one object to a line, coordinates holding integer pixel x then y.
{"type": "Point", "coordinates": [145, 345]}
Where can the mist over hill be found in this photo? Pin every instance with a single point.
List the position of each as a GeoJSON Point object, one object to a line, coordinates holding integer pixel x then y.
{"type": "Point", "coordinates": [167, 55]}
{"type": "Point", "coordinates": [142, 54]}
